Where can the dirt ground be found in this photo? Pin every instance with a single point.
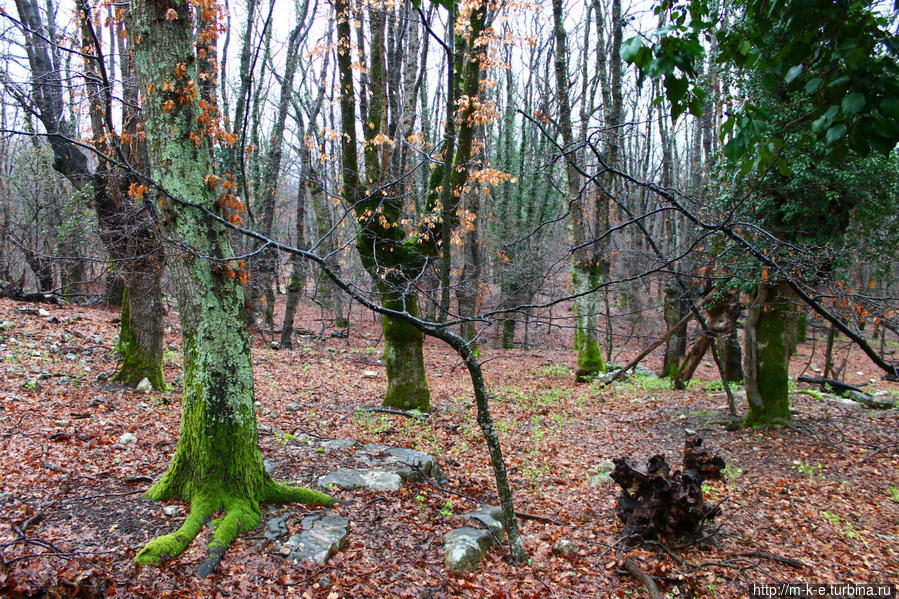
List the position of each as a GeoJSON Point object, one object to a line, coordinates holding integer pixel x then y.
{"type": "Point", "coordinates": [814, 502]}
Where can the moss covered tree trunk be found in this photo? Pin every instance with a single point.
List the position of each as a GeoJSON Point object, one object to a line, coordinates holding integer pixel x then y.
{"type": "Point", "coordinates": [217, 466]}
{"type": "Point", "coordinates": [677, 305]}
{"type": "Point", "coordinates": [140, 332]}
{"type": "Point", "coordinates": [407, 383]}
{"type": "Point", "coordinates": [768, 338]}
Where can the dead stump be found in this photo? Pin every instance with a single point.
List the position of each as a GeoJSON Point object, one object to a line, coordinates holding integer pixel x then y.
{"type": "Point", "coordinates": [668, 506]}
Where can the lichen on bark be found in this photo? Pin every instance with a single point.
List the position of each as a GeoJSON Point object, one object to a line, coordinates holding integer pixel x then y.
{"type": "Point", "coordinates": [589, 355]}
{"type": "Point", "coordinates": [217, 466]}
{"type": "Point", "coordinates": [769, 341]}
{"type": "Point", "coordinates": [137, 362]}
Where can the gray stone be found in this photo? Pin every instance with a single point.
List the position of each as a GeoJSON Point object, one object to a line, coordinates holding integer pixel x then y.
{"type": "Point", "coordinates": [61, 423]}
{"type": "Point", "coordinates": [276, 527]}
{"type": "Point", "coordinates": [465, 548]}
{"type": "Point", "coordinates": [144, 386]}
{"type": "Point", "coordinates": [126, 438]}
{"type": "Point", "coordinates": [171, 510]}
{"type": "Point", "coordinates": [414, 464]}
{"type": "Point", "coordinates": [374, 480]}
{"type": "Point", "coordinates": [292, 407]}
{"type": "Point", "coordinates": [490, 516]}
{"type": "Point", "coordinates": [640, 370]}
{"type": "Point", "coordinates": [340, 444]}
{"type": "Point", "coordinates": [565, 547]}
{"type": "Point", "coordinates": [42, 312]}
{"type": "Point", "coordinates": [601, 473]}
{"type": "Point", "coordinates": [323, 535]}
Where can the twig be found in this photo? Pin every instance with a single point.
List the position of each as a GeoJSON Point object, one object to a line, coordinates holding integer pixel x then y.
{"type": "Point", "coordinates": [132, 492]}
{"type": "Point", "coordinates": [777, 558]}
{"type": "Point", "coordinates": [394, 411]}
{"type": "Point", "coordinates": [876, 451]}
{"type": "Point", "coordinates": [638, 573]}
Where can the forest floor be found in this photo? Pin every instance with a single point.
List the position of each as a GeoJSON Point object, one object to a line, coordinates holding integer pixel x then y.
{"type": "Point", "coordinates": [814, 502]}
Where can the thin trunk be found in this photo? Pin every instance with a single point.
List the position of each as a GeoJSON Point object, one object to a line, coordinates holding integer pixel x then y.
{"type": "Point", "coordinates": [585, 272]}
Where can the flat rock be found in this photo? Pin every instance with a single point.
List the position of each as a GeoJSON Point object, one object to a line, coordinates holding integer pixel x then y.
{"type": "Point", "coordinates": [276, 527]}
{"type": "Point", "coordinates": [373, 480]}
{"type": "Point", "coordinates": [324, 534]}
{"type": "Point", "coordinates": [490, 516]}
{"type": "Point", "coordinates": [465, 548]}
{"type": "Point", "coordinates": [340, 444]}
{"type": "Point", "coordinates": [414, 465]}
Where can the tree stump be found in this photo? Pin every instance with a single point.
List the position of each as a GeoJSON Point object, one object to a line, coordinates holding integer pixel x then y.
{"type": "Point", "coordinates": [657, 504]}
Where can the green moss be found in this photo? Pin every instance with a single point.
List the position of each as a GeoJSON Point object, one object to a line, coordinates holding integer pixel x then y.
{"type": "Point", "coordinates": [589, 356]}
{"type": "Point", "coordinates": [137, 363]}
{"type": "Point", "coordinates": [407, 383]}
{"type": "Point", "coordinates": [774, 343]}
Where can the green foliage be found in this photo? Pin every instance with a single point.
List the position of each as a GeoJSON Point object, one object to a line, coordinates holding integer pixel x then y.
{"type": "Point", "coordinates": [375, 424]}
{"type": "Point", "coordinates": [841, 56]}
{"type": "Point", "coordinates": [812, 471]}
{"type": "Point", "coordinates": [893, 492]}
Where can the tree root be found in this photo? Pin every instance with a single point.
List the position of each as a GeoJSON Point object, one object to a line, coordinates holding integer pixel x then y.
{"type": "Point", "coordinates": [240, 516]}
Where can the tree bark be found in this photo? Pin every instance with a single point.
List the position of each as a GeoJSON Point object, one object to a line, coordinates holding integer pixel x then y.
{"type": "Point", "coordinates": [768, 338]}
{"type": "Point", "coordinates": [127, 231]}
{"type": "Point", "coordinates": [217, 464]}
{"type": "Point", "coordinates": [586, 273]}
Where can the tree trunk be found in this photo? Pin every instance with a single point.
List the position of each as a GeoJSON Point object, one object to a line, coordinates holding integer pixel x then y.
{"type": "Point", "coordinates": [585, 272]}
{"type": "Point", "coordinates": [768, 338]}
{"type": "Point", "coordinates": [217, 464]}
{"type": "Point", "coordinates": [140, 347]}
{"type": "Point", "coordinates": [677, 305]}
{"type": "Point", "coordinates": [407, 383]}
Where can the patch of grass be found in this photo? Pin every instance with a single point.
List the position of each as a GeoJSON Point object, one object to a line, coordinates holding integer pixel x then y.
{"type": "Point", "coordinates": [555, 370]}
{"type": "Point", "coordinates": [375, 424]}
{"type": "Point", "coordinates": [893, 492]}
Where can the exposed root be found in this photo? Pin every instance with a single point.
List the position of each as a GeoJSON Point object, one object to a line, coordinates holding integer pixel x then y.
{"type": "Point", "coordinates": [240, 516]}
{"type": "Point", "coordinates": [275, 492]}
{"type": "Point", "coordinates": [168, 546]}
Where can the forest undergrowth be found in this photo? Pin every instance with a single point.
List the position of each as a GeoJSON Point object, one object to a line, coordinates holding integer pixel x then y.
{"type": "Point", "coordinates": [817, 501]}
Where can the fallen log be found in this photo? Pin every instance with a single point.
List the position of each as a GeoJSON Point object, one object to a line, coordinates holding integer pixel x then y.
{"type": "Point", "coordinates": [853, 392]}
{"type": "Point", "coordinates": [657, 504]}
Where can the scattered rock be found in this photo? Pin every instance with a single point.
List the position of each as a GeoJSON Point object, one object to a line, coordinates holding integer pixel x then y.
{"type": "Point", "coordinates": [292, 407]}
{"type": "Point", "coordinates": [171, 510]}
{"type": "Point", "coordinates": [565, 547]}
{"type": "Point", "coordinates": [465, 548]}
{"type": "Point", "coordinates": [369, 374]}
{"type": "Point", "coordinates": [601, 473]}
{"type": "Point", "coordinates": [144, 386]}
{"type": "Point", "coordinates": [415, 465]}
{"type": "Point", "coordinates": [373, 480]}
{"type": "Point", "coordinates": [126, 438]}
{"type": "Point", "coordinates": [490, 516]}
{"type": "Point", "coordinates": [42, 312]}
{"type": "Point", "coordinates": [61, 423]}
{"type": "Point", "coordinates": [323, 535]}
{"type": "Point", "coordinates": [340, 444]}
{"type": "Point", "coordinates": [276, 527]}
